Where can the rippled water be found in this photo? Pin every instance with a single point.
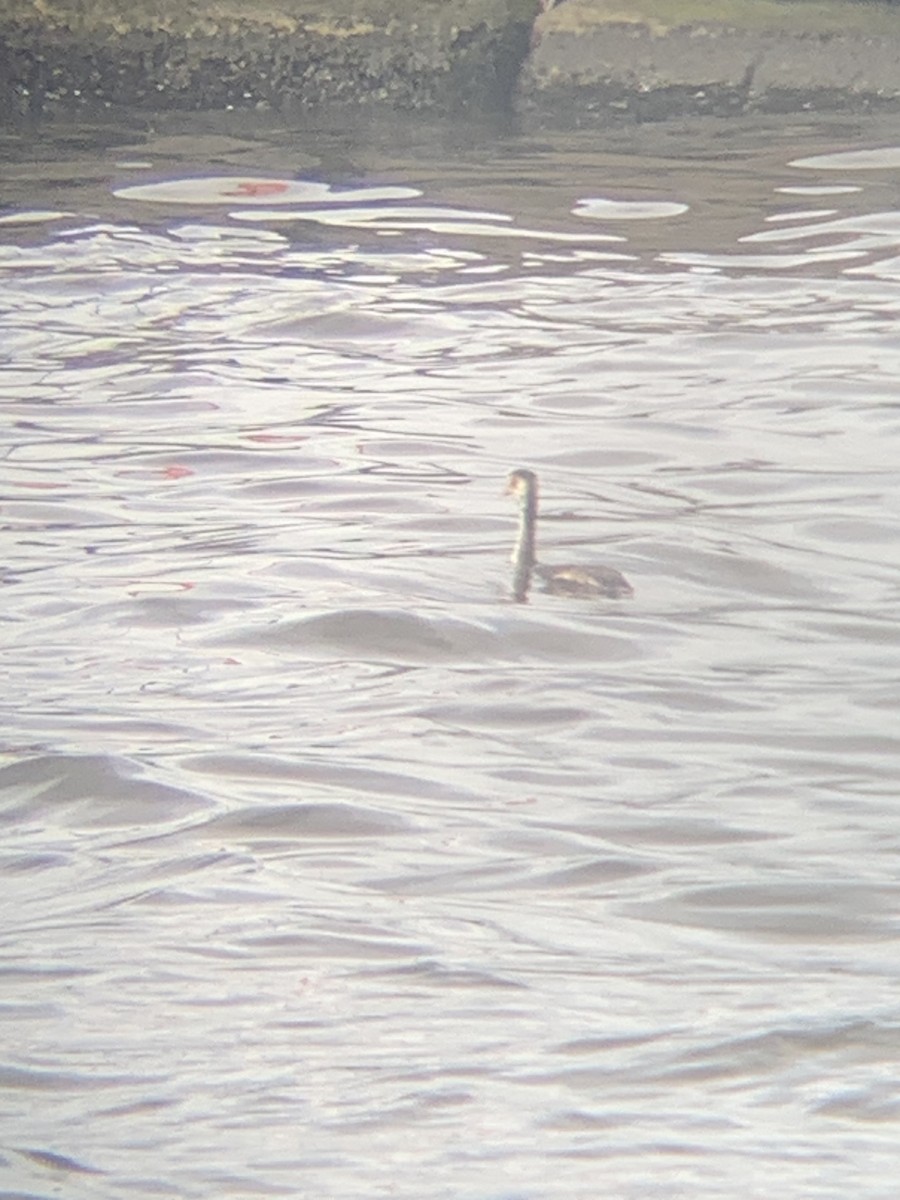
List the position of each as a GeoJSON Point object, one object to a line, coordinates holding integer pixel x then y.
{"type": "Point", "coordinates": [329, 869]}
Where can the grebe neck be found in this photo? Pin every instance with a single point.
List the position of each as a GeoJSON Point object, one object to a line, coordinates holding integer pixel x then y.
{"type": "Point", "coordinates": [523, 555]}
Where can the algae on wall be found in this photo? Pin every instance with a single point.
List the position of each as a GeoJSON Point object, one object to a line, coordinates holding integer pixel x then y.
{"type": "Point", "coordinates": [274, 53]}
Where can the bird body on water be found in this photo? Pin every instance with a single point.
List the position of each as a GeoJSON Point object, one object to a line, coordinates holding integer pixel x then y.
{"type": "Point", "coordinates": [569, 579]}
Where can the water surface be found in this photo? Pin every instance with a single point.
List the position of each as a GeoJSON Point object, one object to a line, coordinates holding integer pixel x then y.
{"type": "Point", "coordinates": [329, 868]}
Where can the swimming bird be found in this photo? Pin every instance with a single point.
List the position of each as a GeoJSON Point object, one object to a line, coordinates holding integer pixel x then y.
{"type": "Point", "coordinates": [564, 580]}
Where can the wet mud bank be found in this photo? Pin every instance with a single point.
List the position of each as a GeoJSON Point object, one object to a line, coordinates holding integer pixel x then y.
{"type": "Point", "coordinates": [577, 61]}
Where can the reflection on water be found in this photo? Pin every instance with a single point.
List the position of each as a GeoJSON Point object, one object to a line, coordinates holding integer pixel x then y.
{"type": "Point", "coordinates": [325, 860]}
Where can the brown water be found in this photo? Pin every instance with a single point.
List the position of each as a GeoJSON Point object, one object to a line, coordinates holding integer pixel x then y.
{"type": "Point", "coordinates": [329, 870]}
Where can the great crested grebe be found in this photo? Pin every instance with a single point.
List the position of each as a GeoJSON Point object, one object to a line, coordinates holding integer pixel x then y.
{"type": "Point", "coordinates": [565, 580]}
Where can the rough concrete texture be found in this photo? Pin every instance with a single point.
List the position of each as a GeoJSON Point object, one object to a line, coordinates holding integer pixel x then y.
{"type": "Point", "coordinates": [652, 58]}
{"type": "Point", "coordinates": [580, 60]}
{"type": "Point", "coordinates": [202, 54]}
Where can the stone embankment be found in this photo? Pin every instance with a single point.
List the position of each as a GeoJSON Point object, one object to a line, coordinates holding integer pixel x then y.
{"type": "Point", "coordinates": [572, 60]}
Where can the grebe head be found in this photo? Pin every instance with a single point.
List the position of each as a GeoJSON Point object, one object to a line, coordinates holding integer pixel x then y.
{"type": "Point", "coordinates": [521, 483]}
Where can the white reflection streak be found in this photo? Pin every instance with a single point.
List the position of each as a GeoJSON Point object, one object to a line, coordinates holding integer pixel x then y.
{"type": "Point", "coordinates": [367, 215]}
{"type": "Point", "coordinates": [775, 262]}
{"type": "Point", "coordinates": [34, 217]}
{"type": "Point", "coordinates": [432, 220]}
{"type": "Point", "coordinates": [806, 215]}
{"type": "Point", "coordinates": [825, 190]}
{"type": "Point", "coordinates": [885, 225]}
{"type": "Point", "coordinates": [600, 209]}
{"type": "Point", "coordinates": [228, 189]}
{"type": "Point", "coordinates": [882, 158]}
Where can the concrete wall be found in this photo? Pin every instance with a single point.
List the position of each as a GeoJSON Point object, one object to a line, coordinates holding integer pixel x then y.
{"type": "Point", "coordinates": [575, 60]}
{"type": "Point", "coordinates": [653, 58]}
